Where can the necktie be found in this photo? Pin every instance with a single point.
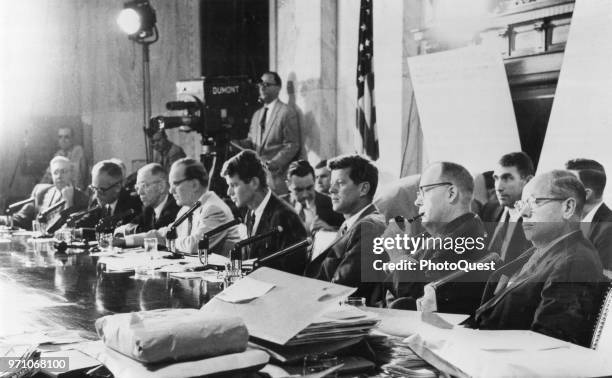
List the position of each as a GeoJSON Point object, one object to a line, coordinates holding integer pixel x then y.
{"type": "Point", "coordinates": [343, 229]}
{"type": "Point", "coordinates": [262, 122]}
{"type": "Point", "coordinates": [189, 224]}
{"type": "Point", "coordinates": [109, 210]}
{"type": "Point", "coordinates": [153, 219]}
{"type": "Point", "coordinates": [250, 223]}
{"type": "Point", "coordinates": [500, 233]}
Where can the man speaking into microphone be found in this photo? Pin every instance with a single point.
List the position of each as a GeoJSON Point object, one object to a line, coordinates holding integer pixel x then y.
{"type": "Point", "coordinates": [189, 184]}
{"type": "Point", "coordinates": [274, 132]}
{"type": "Point", "coordinates": [245, 175]}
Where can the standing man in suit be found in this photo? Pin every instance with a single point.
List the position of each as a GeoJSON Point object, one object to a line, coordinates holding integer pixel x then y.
{"type": "Point", "coordinates": [512, 173]}
{"type": "Point", "coordinates": [189, 184]}
{"type": "Point", "coordinates": [596, 216]}
{"type": "Point", "coordinates": [159, 208]}
{"type": "Point", "coordinates": [47, 195]}
{"type": "Point", "coordinates": [315, 209]}
{"type": "Point", "coordinates": [322, 177]}
{"type": "Point", "coordinates": [109, 196]}
{"type": "Point", "coordinates": [245, 175]}
{"type": "Point", "coordinates": [554, 287]}
{"type": "Point", "coordinates": [274, 133]}
{"type": "Point", "coordinates": [165, 152]}
{"type": "Point", "coordinates": [349, 259]}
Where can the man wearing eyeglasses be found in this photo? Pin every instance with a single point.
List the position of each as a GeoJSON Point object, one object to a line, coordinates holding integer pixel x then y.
{"type": "Point", "coordinates": [48, 195]}
{"type": "Point", "coordinates": [444, 199]}
{"type": "Point", "coordinates": [109, 196]}
{"type": "Point", "coordinates": [159, 208]}
{"type": "Point", "coordinates": [188, 184]}
{"type": "Point", "coordinates": [75, 154]}
{"type": "Point", "coordinates": [274, 132]}
{"type": "Point", "coordinates": [554, 287]}
{"type": "Point", "coordinates": [314, 208]}
{"type": "Point", "coordinates": [513, 172]}
{"type": "Point", "coordinates": [349, 259]}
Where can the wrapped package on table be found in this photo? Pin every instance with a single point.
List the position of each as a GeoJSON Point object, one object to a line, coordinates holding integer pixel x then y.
{"type": "Point", "coordinates": [172, 334]}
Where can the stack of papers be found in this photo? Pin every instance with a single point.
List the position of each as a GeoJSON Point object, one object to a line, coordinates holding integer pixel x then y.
{"type": "Point", "coordinates": [337, 323]}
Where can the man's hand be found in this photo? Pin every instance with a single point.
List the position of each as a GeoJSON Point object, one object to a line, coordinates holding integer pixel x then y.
{"type": "Point", "coordinates": [119, 242]}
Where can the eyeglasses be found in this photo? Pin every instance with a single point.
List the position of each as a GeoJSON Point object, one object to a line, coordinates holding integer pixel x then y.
{"type": "Point", "coordinates": [421, 192]}
{"type": "Point", "coordinates": [264, 84]}
{"type": "Point", "coordinates": [524, 207]}
{"type": "Point", "coordinates": [145, 185]}
{"type": "Point", "coordinates": [103, 190]}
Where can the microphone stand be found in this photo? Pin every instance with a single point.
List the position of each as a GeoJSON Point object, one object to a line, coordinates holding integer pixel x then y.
{"type": "Point", "coordinates": [282, 253]}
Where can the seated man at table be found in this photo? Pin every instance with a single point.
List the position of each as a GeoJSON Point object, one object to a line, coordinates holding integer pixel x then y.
{"type": "Point", "coordinates": [314, 208]}
{"type": "Point", "coordinates": [47, 195]}
{"type": "Point", "coordinates": [110, 198]}
{"type": "Point", "coordinates": [349, 259]}
{"type": "Point", "coordinates": [444, 198]}
{"type": "Point", "coordinates": [159, 209]}
{"type": "Point", "coordinates": [554, 287]}
{"type": "Point", "coordinates": [245, 175]}
{"type": "Point", "coordinates": [189, 184]}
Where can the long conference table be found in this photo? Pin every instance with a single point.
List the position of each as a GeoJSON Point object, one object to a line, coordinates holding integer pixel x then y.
{"type": "Point", "coordinates": [43, 289]}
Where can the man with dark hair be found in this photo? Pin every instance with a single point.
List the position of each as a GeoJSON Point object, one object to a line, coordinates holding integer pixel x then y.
{"type": "Point", "coordinates": [444, 199]}
{"type": "Point", "coordinates": [165, 152]}
{"type": "Point", "coordinates": [159, 208]}
{"type": "Point", "coordinates": [314, 208]}
{"type": "Point", "coordinates": [189, 184]}
{"type": "Point", "coordinates": [554, 287]}
{"type": "Point", "coordinates": [109, 195]}
{"type": "Point", "coordinates": [512, 173]}
{"type": "Point", "coordinates": [322, 177]}
{"type": "Point", "coordinates": [349, 259]}
{"type": "Point", "coordinates": [274, 133]}
{"type": "Point", "coordinates": [245, 175]}
{"type": "Point", "coordinates": [596, 216]}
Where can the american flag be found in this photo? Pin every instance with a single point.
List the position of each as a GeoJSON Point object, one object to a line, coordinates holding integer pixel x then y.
{"type": "Point", "coordinates": [366, 110]}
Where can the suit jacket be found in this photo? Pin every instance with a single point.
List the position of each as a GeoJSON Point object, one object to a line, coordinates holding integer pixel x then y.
{"type": "Point", "coordinates": [279, 213]}
{"type": "Point", "coordinates": [125, 202]}
{"type": "Point", "coordinates": [212, 213]}
{"type": "Point", "coordinates": [409, 285]}
{"type": "Point", "coordinates": [600, 234]}
{"type": "Point", "coordinates": [168, 157]}
{"type": "Point", "coordinates": [24, 217]}
{"type": "Point", "coordinates": [349, 259]}
{"type": "Point", "coordinates": [280, 141]}
{"type": "Point", "coordinates": [558, 297]}
{"type": "Point", "coordinates": [146, 220]}
{"type": "Point", "coordinates": [323, 207]}
{"type": "Point", "coordinates": [517, 244]}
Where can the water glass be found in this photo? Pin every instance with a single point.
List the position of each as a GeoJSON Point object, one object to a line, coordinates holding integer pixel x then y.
{"type": "Point", "coordinates": [37, 227]}
{"type": "Point", "coordinates": [150, 248]}
{"type": "Point", "coordinates": [315, 363]}
{"type": "Point", "coordinates": [354, 301]}
{"type": "Point", "coordinates": [105, 241]}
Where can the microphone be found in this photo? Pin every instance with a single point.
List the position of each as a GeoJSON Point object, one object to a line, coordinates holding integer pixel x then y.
{"type": "Point", "coordinates": [282, 253]}
{"type": "Point", "coordinates": [222, 227]}
{"type": "Point", "coordinates": [185, 215]}
{"type": "Point", "coordinates": [19, 204]}
{"type": "Point", "coordinates": [110, 221]}
{"type": "Point", "coordinates": [256, 238]}
{"type": "Point", "coordinates": [43, 214]}
{"type": "Point", "coordinates": [75, 218]}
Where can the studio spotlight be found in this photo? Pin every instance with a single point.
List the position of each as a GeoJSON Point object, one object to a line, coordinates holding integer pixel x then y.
{"type": "Point", "coordinates": [137, 20]}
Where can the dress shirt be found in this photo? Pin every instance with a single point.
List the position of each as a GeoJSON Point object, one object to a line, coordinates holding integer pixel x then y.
{"type": "Point", "coordinates": [259, 211]}
{"type": "Point", "coordinates": [158, 209]}
{"type": "Point", "coordinates": [591, 214]}
{"type": "Point", "coordinates": [270, 108]}
{"type": "Point", "coordinates": [351, 220]}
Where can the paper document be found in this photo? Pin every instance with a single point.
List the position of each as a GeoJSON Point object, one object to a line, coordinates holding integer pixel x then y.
{"type": "Point", "coordinates": [249, 290]}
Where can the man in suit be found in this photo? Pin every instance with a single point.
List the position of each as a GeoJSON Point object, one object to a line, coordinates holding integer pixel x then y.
{"type": "Point", "coordinates": [554, 287]}
{"type": "Point", "coordinates": [349, 259]}
{"type": "Point", "coordinates": [444, 198]}
{"type": "Point", "coordinates": [159, 208]}
{"type": "Point", "coordinates": [512, 173]}
{"type": "Point", "coordinates": [47, 195]}
{"type": "Point", "coordinates": [274, 133]}
{"type": "Point", "coordinates": [315, 209]}
{"type": "Point", "coordinates": [245, 175]}
{"type": "Point", "coordinates": [189, 184]}
{"type": "Point", "coordinates": [165, 152]}
{"type": "Point", "coordinates": [322, 177]}
{"type": "Point", "coordinates": [596, 216]}
{"type": "Point", "coordinates": [109, 196]}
